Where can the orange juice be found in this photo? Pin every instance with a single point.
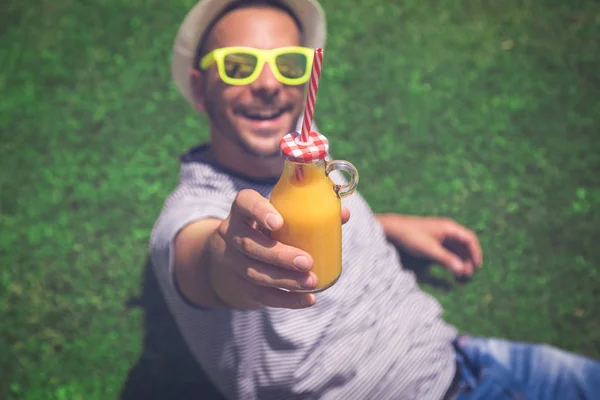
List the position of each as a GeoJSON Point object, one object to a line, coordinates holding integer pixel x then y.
{"type": "Point", "coordinates": [311, 211]}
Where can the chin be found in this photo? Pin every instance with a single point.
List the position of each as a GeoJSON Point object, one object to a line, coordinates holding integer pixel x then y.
{"type": "Point", "coordinates": [263, 145]}
{"type": "Point", "coordinates": [262, 138]}
{"type": "Point", "coordinates": [266, 149]}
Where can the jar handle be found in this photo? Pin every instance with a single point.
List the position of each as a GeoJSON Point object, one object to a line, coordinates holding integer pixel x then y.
{"type": "Point", "coordinates": [349, 188]}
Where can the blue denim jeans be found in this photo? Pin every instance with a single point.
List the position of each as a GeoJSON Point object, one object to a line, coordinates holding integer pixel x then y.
{"type": "Point", "coordinates": [494, 369]}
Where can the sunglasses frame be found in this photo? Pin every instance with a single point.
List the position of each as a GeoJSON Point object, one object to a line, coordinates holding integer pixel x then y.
{"type": "Point", "coordinates": [262, 57]}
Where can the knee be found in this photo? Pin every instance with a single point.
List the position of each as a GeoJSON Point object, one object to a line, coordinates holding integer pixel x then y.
{"type": "Point", "coordinates": [562, 365]}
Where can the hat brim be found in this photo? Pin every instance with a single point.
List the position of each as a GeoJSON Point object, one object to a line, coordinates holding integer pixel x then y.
{"type": "Point", "coordinates": [309, 13]}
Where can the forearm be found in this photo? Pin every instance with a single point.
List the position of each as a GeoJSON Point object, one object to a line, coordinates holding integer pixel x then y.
{"type": "Point", "coordinates": [192, 264]}
{"type": "Point", "coordinates": [389, 222]}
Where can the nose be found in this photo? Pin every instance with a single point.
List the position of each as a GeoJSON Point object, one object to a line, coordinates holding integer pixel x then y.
{"type": "Point", "coordinates": [266, 85]}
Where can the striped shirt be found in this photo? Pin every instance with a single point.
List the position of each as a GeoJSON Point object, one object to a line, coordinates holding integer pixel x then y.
{"type": "Point", "coordinates": [373, 335]}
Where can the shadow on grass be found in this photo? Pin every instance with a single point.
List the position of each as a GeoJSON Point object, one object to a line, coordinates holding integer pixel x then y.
{"type": "Point", "coordinates": [167, 370]}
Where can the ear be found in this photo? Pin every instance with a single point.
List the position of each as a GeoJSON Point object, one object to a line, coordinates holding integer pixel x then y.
{"type": "Point", "coordinates": [197, 89]}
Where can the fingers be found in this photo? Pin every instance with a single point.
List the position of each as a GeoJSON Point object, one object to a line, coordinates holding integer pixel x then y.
{"type": "Point", "coordinates": [255, 269]}
{"type": "Point", "coordinates": [271, 276]}
{"type": "Point", "coordinates": [449, 260]}
{"type": "Point", "coordinates": [257, 246]}
{"type": "Point", "coordinates": [264, 269]}
{"type": "Point", "coordinates": [249, 204]}
{"type": "Point", "coordinates": [345, 215]}
{"type": "Point", "coordinates": [280, 299]}
{"type": "Point", "coordinates": [468, 268]}
{"type": "Point", "coordinates": [469, 239]}
{"type": "Point", "coordinates": [455, 247]}
{"type": "Point", "coordinates": [241, 294]}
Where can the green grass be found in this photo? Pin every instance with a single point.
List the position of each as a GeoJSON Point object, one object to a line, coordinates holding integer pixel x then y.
{"type": "Point", "coordinates": [484, 111]}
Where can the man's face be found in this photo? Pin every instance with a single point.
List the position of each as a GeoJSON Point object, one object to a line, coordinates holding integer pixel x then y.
{"type": "Point", "coordinates": [256, 116]}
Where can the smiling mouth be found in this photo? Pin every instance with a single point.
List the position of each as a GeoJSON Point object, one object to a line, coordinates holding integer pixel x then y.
{"type": "Point", "coordinates": [264, 115]}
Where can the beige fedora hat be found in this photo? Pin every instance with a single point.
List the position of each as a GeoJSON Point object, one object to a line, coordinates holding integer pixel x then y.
{"type": "Point", "coordinates": [309, 13]}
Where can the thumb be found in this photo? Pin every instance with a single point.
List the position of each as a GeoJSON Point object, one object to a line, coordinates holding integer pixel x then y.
{"type": "Point", "coordinates": [440, 255]}
{"type": "Point", "coordinates": [250, 205]}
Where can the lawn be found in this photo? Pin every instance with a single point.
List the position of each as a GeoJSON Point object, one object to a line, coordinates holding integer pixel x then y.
{"type": "Point", "coordinates": [484, 111]}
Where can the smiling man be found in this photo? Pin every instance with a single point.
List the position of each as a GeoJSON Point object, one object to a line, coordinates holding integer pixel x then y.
{"type": "Point", "coordinates": [373, 335]}
{"type": "Point", "coordinates": [247, 121]}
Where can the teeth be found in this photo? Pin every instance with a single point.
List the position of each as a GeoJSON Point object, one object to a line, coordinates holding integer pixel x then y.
{"type": "Point", "coordinates": [263, 114]}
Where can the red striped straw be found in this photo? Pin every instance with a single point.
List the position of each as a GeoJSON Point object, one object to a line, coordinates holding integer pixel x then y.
{"type": "Point", "coordinates": [313, 86]}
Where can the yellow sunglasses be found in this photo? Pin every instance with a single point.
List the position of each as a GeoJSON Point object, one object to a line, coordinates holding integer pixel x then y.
{"type": "Point", "coordinates": [242, 65]}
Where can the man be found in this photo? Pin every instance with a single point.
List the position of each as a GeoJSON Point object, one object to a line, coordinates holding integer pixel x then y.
{"type": "Point", "coordinates": [374, 334]}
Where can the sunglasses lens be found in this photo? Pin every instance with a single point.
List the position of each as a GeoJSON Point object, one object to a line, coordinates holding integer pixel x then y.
{"type": "Point", "coordinates": [292, 65]}
{"type": "Point", "coordinates": [239, 65]}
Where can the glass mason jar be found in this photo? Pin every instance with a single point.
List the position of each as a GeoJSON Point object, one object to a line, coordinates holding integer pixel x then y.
{"type": "Point", "coordinates": [310, 204]}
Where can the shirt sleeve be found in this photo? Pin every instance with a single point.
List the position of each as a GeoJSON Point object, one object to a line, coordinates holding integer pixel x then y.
{"type": "Point", "coordinates": [182, 207]}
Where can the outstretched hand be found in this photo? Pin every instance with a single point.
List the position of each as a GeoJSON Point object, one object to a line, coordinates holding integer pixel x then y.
{"type": "Point", "coordinates": [440, 240]}
{"type": "Point", "coordinates": [248, 268]}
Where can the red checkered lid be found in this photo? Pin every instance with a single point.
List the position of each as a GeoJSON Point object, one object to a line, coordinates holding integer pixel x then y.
{"type": "Point", "coordinates": [295, 150]}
